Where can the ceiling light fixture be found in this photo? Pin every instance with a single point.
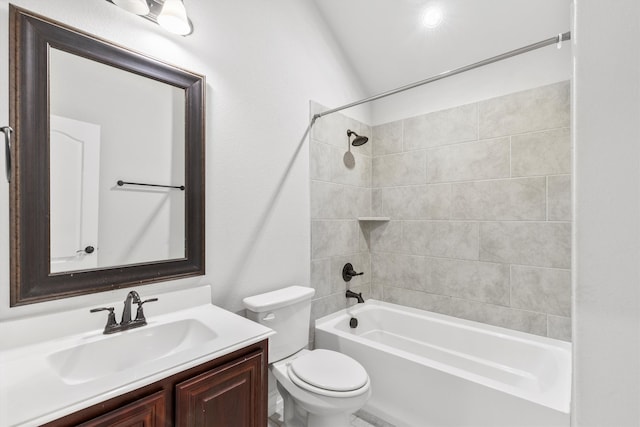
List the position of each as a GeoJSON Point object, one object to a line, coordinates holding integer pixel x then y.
{"type": "Point", "coordinates": [173, 17]}
{"type": "Point", "coordinates": [139, 7]}
{"type": "Point", "coordinates": [432, 16]}
{"type": "Point", "coordinates": [169, 14]}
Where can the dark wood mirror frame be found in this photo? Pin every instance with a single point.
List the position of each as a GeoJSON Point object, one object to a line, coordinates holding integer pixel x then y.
{"type": "Point", "coordinates": [31, 36]}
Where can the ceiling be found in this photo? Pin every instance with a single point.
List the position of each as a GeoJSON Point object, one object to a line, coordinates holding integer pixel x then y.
{"type": "Point", "coordinates": [388, 45]}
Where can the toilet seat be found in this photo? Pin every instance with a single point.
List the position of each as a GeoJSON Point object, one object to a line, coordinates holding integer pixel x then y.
{"type": "Point", "coordinates": [328, 373]}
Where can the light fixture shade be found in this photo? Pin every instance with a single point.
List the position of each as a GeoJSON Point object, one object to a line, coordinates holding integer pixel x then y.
{"type": "Point", "coordinates": [173, 17]}
{"type": "Point", "coordinates": [139, 7]}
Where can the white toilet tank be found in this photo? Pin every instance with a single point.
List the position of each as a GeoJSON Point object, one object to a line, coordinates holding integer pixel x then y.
{"type": "Point", "coordinates": [287, 311]}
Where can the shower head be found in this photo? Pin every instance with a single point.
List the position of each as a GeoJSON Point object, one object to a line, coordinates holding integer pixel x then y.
{"type": "Point", "coordinates": [358, 140]}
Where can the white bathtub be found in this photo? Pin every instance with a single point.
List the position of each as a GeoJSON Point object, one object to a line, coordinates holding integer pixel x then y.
{"type": "Point", "coordinates": [428, 369]}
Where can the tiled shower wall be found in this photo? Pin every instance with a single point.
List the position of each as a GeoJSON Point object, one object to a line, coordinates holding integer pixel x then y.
{"type": "Point", "coordinates": [480, 207]}
{"type": "Point", "coordinates": [340, 193]}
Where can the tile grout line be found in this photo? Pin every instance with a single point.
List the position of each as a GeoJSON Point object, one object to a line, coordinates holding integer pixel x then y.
{"type": "Point", "coordinates": [510, 156]}
{"type": "Point", "coordinates": [510, 284]}
{"type": "Point", "coordinates": [470, 181]}
{"type": "Point", "coordinates": [464, 260]}
{"type": "Point", "coordinates": [477, 121]}
{"type": "Point", "coordinates": [546, 197]}
{"type": "Point", "coordinates": [499, 306]}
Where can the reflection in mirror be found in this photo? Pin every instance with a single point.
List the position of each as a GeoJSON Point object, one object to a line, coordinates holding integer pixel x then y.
{"type": "Point", "coordinates": [107, 124]}
{"type": "Point", "coordinates": [87, 115]}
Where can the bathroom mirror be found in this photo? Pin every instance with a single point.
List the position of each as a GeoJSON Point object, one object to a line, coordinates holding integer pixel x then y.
{"type": "Point", "coordinates": [107, 189]}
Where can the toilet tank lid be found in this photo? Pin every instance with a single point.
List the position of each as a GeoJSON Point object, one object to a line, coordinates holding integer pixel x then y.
{"type": "Point", "coordinates": [277, 299]}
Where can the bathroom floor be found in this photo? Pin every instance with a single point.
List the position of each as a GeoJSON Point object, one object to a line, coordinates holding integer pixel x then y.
{"type": "Point", "coordinates": [360, 419]}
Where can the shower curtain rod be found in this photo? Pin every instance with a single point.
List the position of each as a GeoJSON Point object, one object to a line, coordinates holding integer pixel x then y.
{"type": "Point", "coordinates": [553, 40]}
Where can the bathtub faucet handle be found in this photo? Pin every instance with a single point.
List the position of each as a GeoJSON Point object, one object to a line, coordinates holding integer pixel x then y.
{"type": "Point", "coordinates": [348, 272]}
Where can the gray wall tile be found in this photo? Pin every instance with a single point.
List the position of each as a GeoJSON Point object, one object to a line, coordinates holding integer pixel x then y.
{"type": "Point", "coordinates": [359, 175]}
{"type": "Point", "coordinates": [403, 271]}
{"type": "Point", "coordinates": [559, 198]}
{"type": "Point", "coordinates": [376, 202]}
{"type": "Point", "coordinates": [520, 320]}
{"type": "Point", "coordinates": [333, 237]}
{"type": "Point", "coordinates": [479, 281]}
{"type": "Point", "coordinates": [509, 199]}
{"type": "Point", "coordinates": [541, 153]}
{"type": "Point", "coordinates": [327, 200]}
{"type": "Point", "coordinates": [541, 289]}
{"type": "Point", "coordinates": [364, 236]}
{"type": "Point", "coordinates": [400, 169]}
{"type": "Point", "coordinates": [537, 243]}
{"type": "Point", "coordinates": [469, 161]}
{"type": "Point", "coordinates": [450, 126]}
{"type": "Point", "coordinates": [357, 201]}
{"type": "Point", "coordinates": [417, 299]}
{"type": "Point", "coordinates": [331, 129]}
{"type": "Point", "coordinates": [377, 291]}
{"type": "Point", "coordinates": [327, 164]}
{"type": "Point", "coordinates": [559, 328]}
{"type": "Point", "coordinates": [326, 305]}
{"type": "Point", "coordinates": [387, 138]}
{"type": "Point", "coordinates": [417, 202]}
{"type": "Point", "coordinates": [336, 201]}
{"type": "Point", "coordinates": [386, 237]}
{"type": "Point", "coordinates": [321, 157]}
{"type": "Point", "coordinates": [321, 277]}
{"type": "Point", "coordinates": [542, 108]}
{"type": "Point", "coordinates": [441, 239]}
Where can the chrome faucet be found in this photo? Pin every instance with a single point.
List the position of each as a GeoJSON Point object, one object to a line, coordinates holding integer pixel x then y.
{"type": "Point", "coordinates": [126, 322]}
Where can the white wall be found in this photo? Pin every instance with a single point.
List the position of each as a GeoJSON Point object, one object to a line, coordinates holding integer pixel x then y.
{"type": "Point", "coordinates": [534, 69]}
{"type": "Point", "coordinates": [606, 284]}
{"type": "Point", "coordinates": [263, 61]}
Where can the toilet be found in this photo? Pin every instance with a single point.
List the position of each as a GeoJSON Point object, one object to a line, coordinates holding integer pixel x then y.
{"type": "Point", "coordinates": [320, 388]}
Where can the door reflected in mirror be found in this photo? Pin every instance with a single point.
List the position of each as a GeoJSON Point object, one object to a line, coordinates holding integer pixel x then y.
{"type": "Point", "coordinates": [106, 125]}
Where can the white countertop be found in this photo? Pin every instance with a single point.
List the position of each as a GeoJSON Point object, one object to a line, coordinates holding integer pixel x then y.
{"type": "Point", "coordinates": [32, 392]}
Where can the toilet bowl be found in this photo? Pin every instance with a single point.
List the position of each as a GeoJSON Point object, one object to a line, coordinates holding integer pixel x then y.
{"type": "Point", "coordinates": [321, 388]}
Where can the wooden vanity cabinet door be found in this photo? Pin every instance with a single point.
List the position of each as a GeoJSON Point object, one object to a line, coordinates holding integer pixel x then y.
{"type": "Point", "coordinates": [149, 411]}
{"type": "Point", "coordinates": [230, 395]}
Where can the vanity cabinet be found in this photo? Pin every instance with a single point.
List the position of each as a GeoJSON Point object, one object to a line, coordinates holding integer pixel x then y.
{"type": "Point", "coordinates": [221, 397]}
{"type": "Point", "coordinates": [230, 391]}
{"type": "Point", "coordinates": [146, 412]}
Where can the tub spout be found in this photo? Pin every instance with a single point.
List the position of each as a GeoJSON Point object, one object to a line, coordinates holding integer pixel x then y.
{"type": "Point", "coordinates": [358, 296]}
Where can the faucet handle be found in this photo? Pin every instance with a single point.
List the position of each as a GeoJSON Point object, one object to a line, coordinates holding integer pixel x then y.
{"type": "Point", "coordinates": [348, 272]}
{"type": "Point", "coordinates": [140, 312]}
{"type": "Point", "coordinates": [111, 319]}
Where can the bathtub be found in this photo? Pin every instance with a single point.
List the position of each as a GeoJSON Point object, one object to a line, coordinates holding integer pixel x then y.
{"type": "Point", "coordinates": [429, 369]}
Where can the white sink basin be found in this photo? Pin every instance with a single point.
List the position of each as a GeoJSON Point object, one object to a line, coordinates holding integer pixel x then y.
{"type": "Point", "coordinates": [109, 354]}
{"type": "Point", "coordinates": [65, 363]}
